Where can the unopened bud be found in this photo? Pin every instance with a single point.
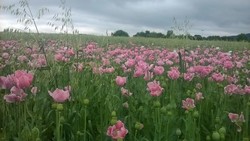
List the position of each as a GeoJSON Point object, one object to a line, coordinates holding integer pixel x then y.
{"type": "Point", "coordinates": [178, 132]}
{"type": "Point", "coordinates": [208, 138]}
{"type": "Point", "coordinates": [86, 101]}
{"type": "Point", "coordinates": [163, 109]}
{"type": "Point", "coordinates": [138, 125]}
{"type": "Point", "coordinates": [196, 114]}
{"type": "Point", "coordinates": [222, 130]}
{"type": "Point", "coordinates": [54, 105]}
{"type": "Point", "coordinates": [59, 107]}
{"type": "Point", "coordinates": [113, 120]}
{"type": "Point", "coordinates": [216, 136]}
{"type": "Point", "coordinates": [157, 104]}
{"type": "Point", "coordinates": [113, 114]}
{"type": "Point", "coordinates": [35, 133]}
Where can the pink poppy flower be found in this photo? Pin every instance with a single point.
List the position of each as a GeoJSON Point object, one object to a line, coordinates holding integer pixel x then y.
{"type": "Point", "coordinates": [59, 95]}
{"type": "Point", "coordinates": [228, 64]}
{"type": "Point", "coordinates": [174, 73]}
{"type": "Point", "coordinates": [11, 98]}
{"type": "Point", "coordinates": [34, 90]}
{"type": "Point", "coordinates": [188, 76]}
{"type": "Point", "coordinates": [233, 117]}
{"type": "Point", "coordinates": [158, 70]}
{"type": "Point", "coordinates": [138, 72]}
{"type": "Point", "coordinates": [125, 92]}
{"type": "Point", "coordinates": [16, 95]}
{"type": "Point", "coordinates": [23, 79]}
{"type": "Point", "coordinates": [59, 57]}
{"type": "Point", "coordinates": [160, 62]}
{"type": "Point", "coordinates": [203, 71]}
{"type": "Point", "coordinates": [188, 104]}
{"type": "Point", "coordinates": [5, 55]}
{"type": "Point", "coordinates": [169, 62]}
{"type": "Point", "coordinates": [199, 96]}
{"type": "Point", "coordinates": [247, 89]}
{"type": "Point", "coordinates": [130, 63]}
{"type": "Point", "coordinates": [105, 62]}
{"type": "Point", "coordinates": [239, 64]}
{"type": "Point", "coordinates": [231, 89]}
{"type": "Point", "coordinates": [22, 58]}
{"type": "Point", "coordinates": [144, 65]}
{"type": "Point", "coordinates": [70, 52]}
{"type": "Point", "coordinates": [231, 79]}
{"type": "Point", "coordinates": [117, 131]}
{"type": "Point", "coordinates": [41, 60]}
{"type": "Point", "coordinates": [218, 77]}
{"type": "Point", "coordinates": [110, 70]}
{"type": "Point", "coordinates": [236, 117]}
{"type": "Point", "coordinates": [120, 81]}
{"type": "Point", "coordinates": [154, 88]}
{"type": "Point", "coordinates": [7, 82]}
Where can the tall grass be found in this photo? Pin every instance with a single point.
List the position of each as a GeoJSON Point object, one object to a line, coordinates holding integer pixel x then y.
{"type": "Point", "coordinates": [96, 101]}
{"type": "Point", "coordinates": [104, 41]}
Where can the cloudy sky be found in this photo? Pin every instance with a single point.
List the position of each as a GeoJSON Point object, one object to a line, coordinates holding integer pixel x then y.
{"type": "Point", "coordinates": [205, 17]}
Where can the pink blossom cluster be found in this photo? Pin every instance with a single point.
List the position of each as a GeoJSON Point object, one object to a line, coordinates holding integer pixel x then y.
{"type": "Point", "coordinates": [63, 54]}
{"type": "Point", "coordinates": [154, 88]}
{"type": "Point", "coordinates": [237, 119]}
{"type": "Point", "coordinates": [201, 71]}
{"type": "Point", "coordinates": [91, 50]}
{"type": "Point", "coordinates": [120, 81]}
{"type": "Point", "coordinates": [37, 61]}
{"type": "Point", "coordinates": [16, 82]}
{"type": "Point", "coordinates": [236, 89]}
{"type": "Point", "coordinates": [117, 131]}
{"type": "Point", "coordinates": [174, 73]}
{"type": "Point", "coordinates": [189, 103]}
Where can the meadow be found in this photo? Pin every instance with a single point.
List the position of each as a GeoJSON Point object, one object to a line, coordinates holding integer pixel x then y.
{"type": "Point", "coordinates": [98, 88]}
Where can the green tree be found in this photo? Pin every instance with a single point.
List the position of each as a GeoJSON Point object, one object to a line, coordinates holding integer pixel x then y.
{"type": "Point", "coordinates": [149, 34]}
{"type": "Point", "coordinates": [140, 34]}
{"type": "Point", "coordinates": [197, 37]}
{"type": "Point", "coordinates": [120, 33]}
{"type": "Point", "coordinates": [170, 34]}
{"type": "Point", "coordinates": [242, 37]}
{"type": "Point", "coordinates": [214, 38]}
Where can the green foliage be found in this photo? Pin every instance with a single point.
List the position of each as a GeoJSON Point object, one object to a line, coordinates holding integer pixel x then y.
{"type": "Point", "coordinates": [197, 37]}
{"type": "Point", "coordinates": [104, 41]}
{"type": "Point", "coordinates": [96, 102]}
{"type": "Point", "coordinates": [149, 34]}
{"type": "Point", "coordinates": [170, 34]}
{"type": "Point", "coordinates": [120, 33]}
{"type": "Point", "coordinates": [242, 37]}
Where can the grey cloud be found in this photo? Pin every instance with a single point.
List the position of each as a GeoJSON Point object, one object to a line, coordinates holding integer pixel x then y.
{"type": "Point", "coordinates": [217, 17]}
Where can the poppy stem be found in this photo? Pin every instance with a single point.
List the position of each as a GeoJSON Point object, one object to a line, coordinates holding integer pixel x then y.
{"type": "Point", "coordinates": [58, 136]}
{"type": "Point", "coordinates": [85, 122]}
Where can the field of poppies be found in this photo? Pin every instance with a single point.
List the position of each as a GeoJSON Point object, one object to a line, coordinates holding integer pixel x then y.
{"type": "Point", "coordinates": [57, 92]}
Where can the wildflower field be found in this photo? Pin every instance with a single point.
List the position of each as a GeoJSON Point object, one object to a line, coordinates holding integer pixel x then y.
{"type": "Point", "coordinates": [59, 91]}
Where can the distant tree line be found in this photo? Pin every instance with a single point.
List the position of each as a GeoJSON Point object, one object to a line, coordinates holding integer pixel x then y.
{"type": "Point", "coordinates": [170, 34]}
{"type": "Point", "coordinates": [11, 30]}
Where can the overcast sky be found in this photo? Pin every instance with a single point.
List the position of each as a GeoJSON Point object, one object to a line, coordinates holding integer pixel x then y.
{"type": "Point", "coordinates": [206, 17]}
